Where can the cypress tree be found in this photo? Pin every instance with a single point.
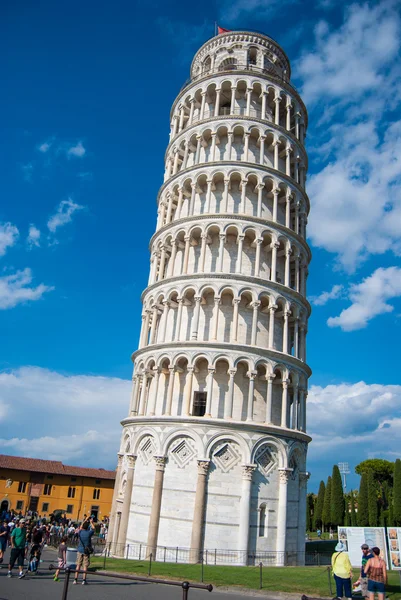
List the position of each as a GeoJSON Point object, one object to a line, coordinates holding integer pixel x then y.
{"type": "Point", "coordinates": [396, 494]}
{"type": "Point", "coordinates": [353, 513]}
{"type": "Point", "coordinates": [337, 498]}
{"type": "Point", "coordinates": [319, 506]}
{"type": "Point", "coordinates": [363, 510]}
{"type": "Point", "coordinates": [310, 504]}
{"type": "Point", "coordinates": [326, 514]}
{"type": "Point", "coordinates": [372, 501]}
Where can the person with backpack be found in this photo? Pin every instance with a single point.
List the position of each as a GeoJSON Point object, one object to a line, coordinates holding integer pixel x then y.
{"type": "Point", "coordinates": [84, 549]}
{"type": "Point", "coordinates": [342, 570]}
{"type": "Point", "coordinates": [376, 571]}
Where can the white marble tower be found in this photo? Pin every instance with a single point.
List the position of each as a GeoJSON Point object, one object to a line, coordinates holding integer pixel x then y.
{"type": "Point", "coordinates": [213, 451]}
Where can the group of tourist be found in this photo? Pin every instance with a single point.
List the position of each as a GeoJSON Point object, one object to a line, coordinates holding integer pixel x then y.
{"type": "Point", "coordinates": [373, 575]}
{"type": "Point", "coordinates": [26, 538]}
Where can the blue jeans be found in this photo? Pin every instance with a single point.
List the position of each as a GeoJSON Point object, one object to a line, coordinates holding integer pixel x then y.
{"type": "Point", "coordinates": [343, 587]}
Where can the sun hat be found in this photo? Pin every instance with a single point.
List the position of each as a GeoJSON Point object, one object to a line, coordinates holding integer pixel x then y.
{"type": "Point", "coordinates": [340, 547]}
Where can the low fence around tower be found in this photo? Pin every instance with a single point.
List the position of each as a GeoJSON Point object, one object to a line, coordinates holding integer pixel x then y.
{"type": "Point", "coordinates": [138, 551]}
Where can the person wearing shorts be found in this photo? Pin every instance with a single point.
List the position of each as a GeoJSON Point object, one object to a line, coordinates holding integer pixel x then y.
{"type": "Point", "coordinates": [83, 560]}
{"type": "Point", "coordinates": [18, 539]}
{"type": "Point", "coordinates": [376, 571]}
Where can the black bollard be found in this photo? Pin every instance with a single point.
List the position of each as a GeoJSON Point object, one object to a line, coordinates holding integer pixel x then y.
{"type": "Point", "coordinates": [66, 582]}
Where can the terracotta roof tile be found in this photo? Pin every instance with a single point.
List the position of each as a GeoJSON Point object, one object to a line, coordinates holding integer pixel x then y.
{"type": "Point", "coordinates": [53, 467]}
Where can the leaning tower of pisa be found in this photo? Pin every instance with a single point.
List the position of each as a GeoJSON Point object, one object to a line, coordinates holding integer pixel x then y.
{"type": "Point", "coordinates": [213, 451]}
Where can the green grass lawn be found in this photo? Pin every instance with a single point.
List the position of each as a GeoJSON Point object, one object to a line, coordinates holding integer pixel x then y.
{"type": "Point", "coordinates": [312, 581]}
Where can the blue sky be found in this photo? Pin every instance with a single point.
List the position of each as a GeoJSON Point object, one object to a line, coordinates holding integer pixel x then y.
{"type": "Point", "coordinates": [87, 91]}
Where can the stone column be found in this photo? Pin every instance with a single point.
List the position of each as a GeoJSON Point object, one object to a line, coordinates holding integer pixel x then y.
{"type": "Point", "coordinates": [288, 210]}
{"type": "Point", "coordinates": [255, 307]}
{"type": "Point", "coordinates": [164, 318]}
{"type": "Point", "coordinates": [145, 330]}
{"type": "Point", "coordinates": [155, 386]}
{"type": "Point", "coordinates": [188, 391]}
{"type": "Point", "coordinates": [303, 481]}
{"type": "Point", "coordinates": [211, 372]}
{"type": "Point", "coordinates": [288, 161]}
{"type": "Point", "coordinates": [217, 105]}
{"type": "Point", "coordinates": [275, 204]}
{"type": "Point", "coordinates": [135, 385]}
{"type": "Point", "coordinates": [275, 156]}
{"type": "Point", "coordinates": [251, 392]}
{"type": "Point", "coordinates": [222, 238]}
{"type": "Point", "coordinates": [244, 181]}
{"type": "Point", "coordinates": [238, 265]}
{"type": "Point", "coordinates": [122, 533]}
{"type": "Point", "coordinates": [272, 310]}
{"type": "Point", "coordinates": [162, 263]}
{"type": "Point", "coordinates": [277, 101]}
{"type": "Point", "coordinates": [269, 398]}
{"type": "Point", "coordinates": [296, 337]}
{"type": "Point", "coordinates": [179, 203]}
{"type": "Point", "coordinates": [213, 146]}
{"type": "Point", "coordinates": [236, 302]}
{"type": "Point", "coordinates": [179, 319]}
{"type": "Point", "coordinates": [263, 115]}
{"type": "Point", "coordinates": [229, 145]}
{"type": "Point", "coordinates": [260, 197]}
{"type": "Point", "coordinates": [202, 253]}
{"type": "Point", "coordinates": [284, 475]}
{"type": "Point", "coordinates": [262, 149]}
{"type": "Point", "coordinates": [232, 105]}
{"type": "Point", "coordinates": [199, 512]}
{"type": "Point", "coordinates": [195, 324]}
{"type": "Point", "coordinates": [144, 390]}
{"type": "Point", "coordinates": [284, 404]}
{"type": "Point", "coordinates": [153, 326]}
{"type": "Point", "coordinates": [191, 111]}
{"type": "Point", "coordinates": [294, 419]}
{"type": "Point", "coordinates": [113, 511]}
{"type": "Point", "coordinates": [186, 255]}
{"type": "Point", "coordinates": [288, 119]}
{"type": "Point", "coordinates": [202, 110]}
{"type": "Point", "coordinates": [248, 101]}
{"type": "Point", "coordinates": [285, 331]}
{"type": "Point", "coordinates": [258, 243]}
{"type": "Point", "coordinates": [288, 253]}
{"type": "Point", "coordinates": [170, 390]}
{"type": "Point", "coordinates": [198, 146]}
{"type": "Point", "coordinates": [244, 513]}
{"type": "Point", "coordinates": [274, 246]}
{"type": "Point", "coordinates": [170, 271]}
{"type": "Point", "coordinates": [175, 165]}
{"type": "Point", "coordinates": [246, 149]}
{"type": "Point", "coordinates": [217, 302]}
{"type": "Point", "coordinates": [228, 406]}
{"type": "Point", "coordinates": [208, 195]}
{"type": "Point", "coordinates": [156, 506]}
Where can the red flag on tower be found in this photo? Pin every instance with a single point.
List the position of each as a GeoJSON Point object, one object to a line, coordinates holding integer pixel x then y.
{"type": "Point", "coordinates": [222, 30]}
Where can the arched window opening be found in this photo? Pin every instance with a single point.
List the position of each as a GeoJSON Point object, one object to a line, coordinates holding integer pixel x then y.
{"type": "Point", "coordinates": [228, 64]}
{"type": "Point", "coordinates": [253, 56]}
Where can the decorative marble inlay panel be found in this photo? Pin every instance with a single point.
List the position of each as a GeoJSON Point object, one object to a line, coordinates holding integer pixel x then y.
{"type": "Point", "coordinates": [266, 460]}
{"type": "Point", "coordinates": [226, 457]}
{"type": "Point", "coordinates": [183, 453]}
{"type": "Point", "coordinates": [147, 450]}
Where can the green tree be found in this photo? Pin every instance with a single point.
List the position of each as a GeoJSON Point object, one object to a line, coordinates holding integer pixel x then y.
{"type": "Point", "coordinates": [372, 500]}
{"type": "Point", "coordinates": [319, 506]}
{"type": "Point", "coordinates": [326, 514]}
{"type": "Point", "coordinates": [382, 469]}
{"type": "Point", "coordinates": [352, 509]}
{"type": "Point", "coordinates": [397, 493]}
{"type": "Point", "coordinates": [363, 509]}
{"type": "Point", "coordinates": [337, 498]}
{"type": "Point", "coordinates": [310, 506]}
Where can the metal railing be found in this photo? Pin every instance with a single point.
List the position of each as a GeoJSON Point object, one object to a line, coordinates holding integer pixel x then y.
{"type": "Point", "coordinates": [209, 556]}
{"type": "Point", "coordinates": [185, 585]}
{"type": "Point", "coordinates": [242, 67]}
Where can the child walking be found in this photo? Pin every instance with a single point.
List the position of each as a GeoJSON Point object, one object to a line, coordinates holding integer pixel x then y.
{"type": "Point", "coordinates": [62, 557]}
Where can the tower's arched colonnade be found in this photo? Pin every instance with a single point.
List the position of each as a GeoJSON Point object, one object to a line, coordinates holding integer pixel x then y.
{"type": "Point", "coordinates": [213, 451]}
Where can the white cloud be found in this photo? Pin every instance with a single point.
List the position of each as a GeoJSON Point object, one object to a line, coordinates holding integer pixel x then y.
{"type": "Point", "coordinates": [352, 422]}
{"type": "Point", "coordinates": [77, 429]}
{"type": "Point", "coordinates": [351, 79]}
{"type": "Point", "coordinates": [324, 297]}
{"type": "Point", "coordinates": [33, 238]}
{"type": "Point", "coordinates": [16, 289]}
{"type": "Point", "coordinates": [369, 299]}
{"type": "Point", "coordinates": [77, 151]}
{"type": "Point", "coordinates": [9, 235]}
{"type": "Point", "coordinates": [45, 146]}
{"type": "Point", "coordinates": [63, 215]}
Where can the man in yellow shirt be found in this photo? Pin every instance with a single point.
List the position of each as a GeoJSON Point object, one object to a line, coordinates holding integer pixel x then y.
{"type": "Point", "coordinates": [342, 570]}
